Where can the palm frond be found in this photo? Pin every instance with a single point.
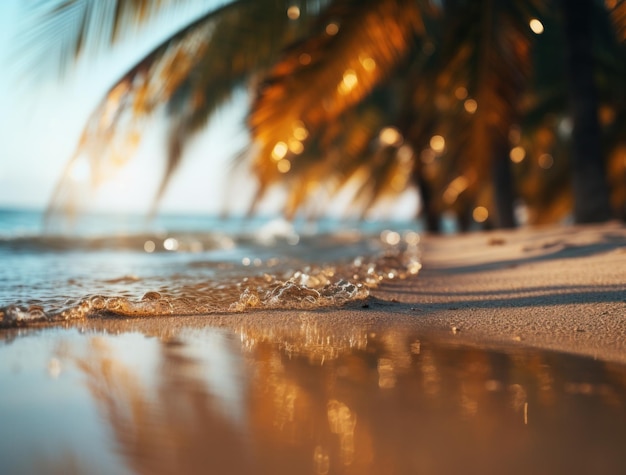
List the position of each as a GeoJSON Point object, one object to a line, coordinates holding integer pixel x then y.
{"type": "Point", "coordinates": [57, 32]}
{"type": "Point", "coordinates": [354, 46]}
{"type": "Point", "coordinates": [115, 128]}
{"type": "Point", "coordinates": [245, 41]}
{"type": "Point", "coordinates": [617, 9]}
{"type": "Point", "coordinates": [490, 59]}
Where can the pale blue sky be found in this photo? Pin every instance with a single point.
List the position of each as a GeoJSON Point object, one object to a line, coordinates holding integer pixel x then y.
{"type": "Point", "coordinates": [40, 126]}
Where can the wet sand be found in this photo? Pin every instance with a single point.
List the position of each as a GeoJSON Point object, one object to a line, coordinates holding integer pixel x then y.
{"type": "Point", "coordinates": [555, 288]}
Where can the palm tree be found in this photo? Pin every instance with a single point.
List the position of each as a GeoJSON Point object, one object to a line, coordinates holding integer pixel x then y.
{"type": "Point", "coordinates": [377, 95]}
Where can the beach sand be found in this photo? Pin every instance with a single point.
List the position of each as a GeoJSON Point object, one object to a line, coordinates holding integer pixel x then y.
{"type": "Point", "coordinates": [557, 288]}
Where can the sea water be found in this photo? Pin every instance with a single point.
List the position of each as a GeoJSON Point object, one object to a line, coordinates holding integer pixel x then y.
{"type": "Point", "coordinates": [132, 266]}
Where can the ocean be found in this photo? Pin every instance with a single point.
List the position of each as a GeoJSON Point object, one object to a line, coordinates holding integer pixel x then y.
{"type": "Point", "coordinates": [104, 265]}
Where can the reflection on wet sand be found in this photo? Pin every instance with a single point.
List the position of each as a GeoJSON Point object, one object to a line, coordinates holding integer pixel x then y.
{"type": "Point", "coordinates": [357, 402]}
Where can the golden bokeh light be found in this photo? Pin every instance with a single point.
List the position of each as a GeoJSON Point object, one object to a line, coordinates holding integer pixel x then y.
{"type": "Point", "coordinates": [293, 12]}
{"type": "Point", "coordinates": [368, 63]}
{"type": "Point", "coordinates": [517, 154]}
{"type": "Point", "coordinates": [536, 26]}
{"type": "Point", "coordinates": [332, 29]}
{"type": "Point", "coordinates": [480, 214]}
{"type": "Point", "coordinates": [350, 79]}
{"type": "Point", "coordinates": [279, 151]}
{"type": "Point", "coordinates": [299, 131]}
{"type": "Point", "coordinates": [437, 143]}
{"type": "Point", "coordinates": [295, 146]}
{"type": "Point", "coordinates": [460, 93]}
{"type": "Point", "coordinates": [470, 106]}
{"type": "Point", "coordinates": [283, 166]}
{"type": "Point", "coordinates": [390, 136]}
{"type": "Point", "coordinates": [348, 82]}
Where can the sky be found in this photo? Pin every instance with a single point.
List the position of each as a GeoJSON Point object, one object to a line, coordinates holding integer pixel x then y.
{"type": "Point", "coordinates": [41, 122]}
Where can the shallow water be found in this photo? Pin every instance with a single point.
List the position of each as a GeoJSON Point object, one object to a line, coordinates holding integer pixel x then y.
{"type": "Point", "coordinates": [190, 265]}
{"type": "Point", "coordinates": [306, 401]}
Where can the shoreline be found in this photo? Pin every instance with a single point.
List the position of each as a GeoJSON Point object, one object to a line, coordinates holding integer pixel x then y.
{"type": "Point", "coordinates": [553, 288]}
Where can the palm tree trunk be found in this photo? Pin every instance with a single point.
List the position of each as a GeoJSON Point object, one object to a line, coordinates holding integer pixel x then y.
{"type": "Point", "coordinates": [591, 194]}
{"type": "Point", "coordinates": [503, 186]}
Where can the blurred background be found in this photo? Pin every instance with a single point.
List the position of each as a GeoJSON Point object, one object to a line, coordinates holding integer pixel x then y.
{"type": "Point", "coordinates": [478, 113]}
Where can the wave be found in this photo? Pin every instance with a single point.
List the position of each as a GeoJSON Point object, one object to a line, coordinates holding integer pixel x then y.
{"type": "Point", "coordinates": [277, 271]}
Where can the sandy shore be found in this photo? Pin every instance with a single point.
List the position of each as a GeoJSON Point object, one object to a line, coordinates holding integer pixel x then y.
{"type": "Point", "coordinates": [554, 288]}
{"type": "Point", "coordinates": [557, 288]}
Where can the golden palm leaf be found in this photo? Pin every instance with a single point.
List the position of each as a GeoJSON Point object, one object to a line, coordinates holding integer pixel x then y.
{"type": "Point", "coordinates": [353, 47]}
{"type": "Point", "coordinates": [617, 9]}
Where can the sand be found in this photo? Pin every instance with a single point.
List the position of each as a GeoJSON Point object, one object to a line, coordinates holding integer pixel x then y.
{"type": "Point", "coordinates": [554, 288]}
{"type": "Point", "coordinates": [559, 288]}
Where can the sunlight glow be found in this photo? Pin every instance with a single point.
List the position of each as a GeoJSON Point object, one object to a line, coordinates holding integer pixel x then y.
{"type": "Point", "coordinates": [536, 26]}
{"type": "Point", "coordinates": [279, 151]}
{"type": "Point", "coordinates": [149, 246]}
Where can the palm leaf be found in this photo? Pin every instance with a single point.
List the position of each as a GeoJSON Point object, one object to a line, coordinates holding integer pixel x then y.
{"type": "Point", "coordinates": [114, 130]}
{"type": "Point", "coordinates": [245, 41]}
{"type": "Point", "coordinates": [353, 47]}
{"type": "Point", "coordinates": [488, 53]}
{"type": "Point", "coordinates": [617, 9]}
{"type": "Point", "coordinates": [192, 74]}
{"type": "Point", "coordinates": [60, 31]}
